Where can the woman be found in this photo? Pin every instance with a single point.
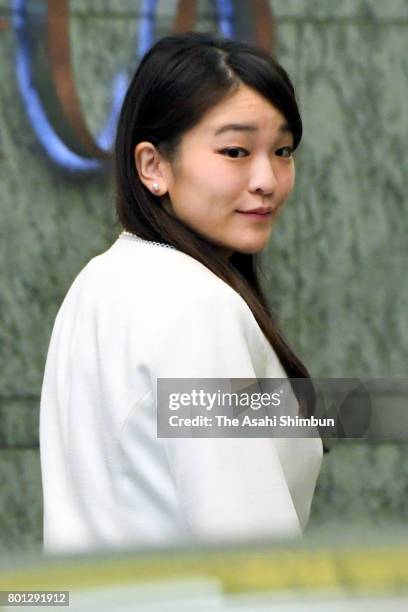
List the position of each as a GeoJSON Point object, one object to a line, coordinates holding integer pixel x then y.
{"type": "Point", "coordinates": [205, 137]}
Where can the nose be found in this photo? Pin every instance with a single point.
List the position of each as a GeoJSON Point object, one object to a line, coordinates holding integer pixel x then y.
{"type": "Point", "coordinates": [263, 178]}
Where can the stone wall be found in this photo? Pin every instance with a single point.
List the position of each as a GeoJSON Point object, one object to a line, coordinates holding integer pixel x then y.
{"type": "Point", "coordinates": [335, 268]}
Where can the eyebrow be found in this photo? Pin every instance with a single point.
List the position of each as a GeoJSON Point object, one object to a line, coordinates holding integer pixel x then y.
{"type": "Point", "coordinates": [247, 127]}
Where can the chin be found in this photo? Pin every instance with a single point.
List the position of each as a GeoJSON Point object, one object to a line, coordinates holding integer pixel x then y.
{"type": "Point", "coordinates": [251, 247]}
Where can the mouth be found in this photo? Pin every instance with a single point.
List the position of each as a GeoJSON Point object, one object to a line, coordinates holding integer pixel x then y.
{"type": "Point", "coordinates": [256, 214]}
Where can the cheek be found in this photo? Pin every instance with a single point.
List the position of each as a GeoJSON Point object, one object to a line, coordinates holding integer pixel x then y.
{"type": "Point", "coordinates": [228, 183]}
{"type": "Point", "coordinates": [214, 173]}
{"type": "Point", "coordinates": [287, 181]}
{"type": "Point", "coordinates": [202, 176]}
{"type": "Point", "coordinates": [216, 185]}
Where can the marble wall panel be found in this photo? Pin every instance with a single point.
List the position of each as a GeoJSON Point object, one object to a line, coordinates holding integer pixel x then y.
{"type": "Point", "coordinates": [20, 501]}
{"type": "Point", "coordinates": [336, 259]}
{"type": "Point", "coordinates": [335, 265]}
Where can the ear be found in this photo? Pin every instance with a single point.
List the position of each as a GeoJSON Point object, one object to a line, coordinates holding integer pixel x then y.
{"type": "Point", "coordinates": [150, 168]}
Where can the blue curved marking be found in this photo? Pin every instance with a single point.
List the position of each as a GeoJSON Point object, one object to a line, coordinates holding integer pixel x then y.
{"type": "Point", "coordinates": [43, 129]}
{"type": "Point", "coordinates": [146, 28]}
{"type": "Point", "coordinates": [49, 140]}
{"type": "Point", "coordinates": [225, 10]}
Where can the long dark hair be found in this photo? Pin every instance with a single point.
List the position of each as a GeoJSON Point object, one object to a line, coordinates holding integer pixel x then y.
{"type": "Point", "coordinates": [180, 78]}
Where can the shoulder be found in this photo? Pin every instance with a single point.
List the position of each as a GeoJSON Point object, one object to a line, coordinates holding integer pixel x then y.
{"type": "Point", "coordinates": [148, 272]}
{"type": "Point", "coordinates": [144, 284]}
{"type": "Point", "coordinates": [169, 310]}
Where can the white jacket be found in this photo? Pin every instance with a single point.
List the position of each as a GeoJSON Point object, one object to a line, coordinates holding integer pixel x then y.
{"type": "Point", "coordinates": [137, 312]}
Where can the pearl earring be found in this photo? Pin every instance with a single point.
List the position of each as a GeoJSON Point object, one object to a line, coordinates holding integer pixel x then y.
{"type": "Point", "coordinates": [156, 186]}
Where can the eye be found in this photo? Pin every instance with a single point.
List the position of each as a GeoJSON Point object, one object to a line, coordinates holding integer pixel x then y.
{"type": "Point", "coordinates": [233, 151]}
{"type": "Point", "coordinates": [289, 151]}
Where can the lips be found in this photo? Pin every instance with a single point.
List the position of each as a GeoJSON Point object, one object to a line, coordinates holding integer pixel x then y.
{"type": "Point", "coordinates": [256, 211]}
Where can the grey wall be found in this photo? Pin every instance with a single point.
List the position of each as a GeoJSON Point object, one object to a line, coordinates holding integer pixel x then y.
{"type": "Point", "coordinates": [335, 268]}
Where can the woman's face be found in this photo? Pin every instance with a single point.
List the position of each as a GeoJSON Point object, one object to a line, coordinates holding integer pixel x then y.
{"type": "Point", "coordinates": [236, 159]}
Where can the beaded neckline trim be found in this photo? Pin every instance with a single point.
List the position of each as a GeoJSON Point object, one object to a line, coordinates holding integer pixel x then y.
{"type": "Point", "coordinates": [131, 236]}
